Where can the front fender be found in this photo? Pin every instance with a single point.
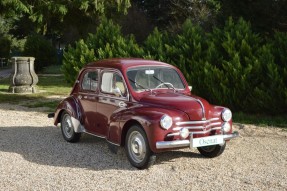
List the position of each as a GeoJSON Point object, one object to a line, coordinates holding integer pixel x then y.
{"type": "Point", "coordinates": [149, 119]}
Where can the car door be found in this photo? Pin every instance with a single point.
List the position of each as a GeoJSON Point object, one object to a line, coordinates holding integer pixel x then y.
{"type": "Point", "coordinates": [112, 98]}
{"type": "Point", "coordinates": [88, 98]}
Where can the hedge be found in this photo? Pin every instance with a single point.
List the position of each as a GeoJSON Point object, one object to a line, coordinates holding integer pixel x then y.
{"type": "Point", "coordinates": [231, 66]}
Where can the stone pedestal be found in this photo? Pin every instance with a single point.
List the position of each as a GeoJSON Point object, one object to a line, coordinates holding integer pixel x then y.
{"type": "Point", "coordinates": [23, 77]}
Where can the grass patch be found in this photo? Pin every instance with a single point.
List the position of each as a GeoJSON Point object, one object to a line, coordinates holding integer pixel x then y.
{"type": "Point", "coordinates": [50, 105]}
{"type": "Point", "coordinates": [262, 120]}
{"type": "Point", "coordinates": [48, 86]}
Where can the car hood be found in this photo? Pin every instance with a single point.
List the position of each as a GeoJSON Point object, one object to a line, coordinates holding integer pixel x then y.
{"type": "Point", "coordinates": [196, 107]}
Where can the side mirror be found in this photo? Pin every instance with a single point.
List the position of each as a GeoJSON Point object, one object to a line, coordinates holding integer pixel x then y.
{"type": "Point", "coordinates": [117, 92]}
{"type": "Point", "coordinates": [190, 88]}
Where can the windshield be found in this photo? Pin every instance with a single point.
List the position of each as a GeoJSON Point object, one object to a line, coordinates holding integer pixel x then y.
{"type": "Point", "coordinates": [155, 77]}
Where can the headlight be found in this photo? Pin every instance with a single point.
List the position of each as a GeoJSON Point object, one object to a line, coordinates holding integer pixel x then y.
{"type": "Point", "coordinates": [166, 122]}
{"type": "Point", "coordinates": [226, 115]}
{"type": "Point", "coordinates": [226, 127]}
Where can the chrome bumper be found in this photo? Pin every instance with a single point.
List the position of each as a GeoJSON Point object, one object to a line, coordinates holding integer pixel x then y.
{"type": "Point", "coordinates": [186, 143]}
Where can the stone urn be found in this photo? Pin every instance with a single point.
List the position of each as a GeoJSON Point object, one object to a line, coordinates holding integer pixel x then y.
{"type": "Point", "coordinates": [23, 77]}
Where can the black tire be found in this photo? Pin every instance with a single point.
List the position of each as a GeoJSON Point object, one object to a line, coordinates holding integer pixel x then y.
{"type": "Point", "coordinates": [137, 148]}
{"type": "Point", "coordinates": [67, 129]}
{"type": "Point", "coordinates": [212, 151]}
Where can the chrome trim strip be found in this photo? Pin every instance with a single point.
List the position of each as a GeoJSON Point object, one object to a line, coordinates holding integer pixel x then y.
{"type": "Point", "coordinates": [112, 143]}
{"type": "Point", "coordinates": [100, 136]}
{"type": "Point", "coordinates": [188, 127]}
{"type": "Point", "coordinates": [186, 143]}
{"type": "Point", "coordinates": [197, 127]}
{"type": "Point", "coordinates": [195, 133]}
{"type": "Point", "coordinates": [196, 122]}
{"type": "Point", "coordinates": [213, 124]}
{"type": "Point", "coordinates": [202, 107]}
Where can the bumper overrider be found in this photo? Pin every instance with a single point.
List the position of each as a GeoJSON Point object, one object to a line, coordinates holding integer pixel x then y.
{"type": "Point", "coordinates": [190, 142]}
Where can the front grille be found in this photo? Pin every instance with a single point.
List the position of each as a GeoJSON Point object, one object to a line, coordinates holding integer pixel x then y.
{"type": "Point", "coordinates": [197, 127]}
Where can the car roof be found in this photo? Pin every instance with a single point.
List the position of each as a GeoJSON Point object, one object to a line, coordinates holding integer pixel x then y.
{"type": "Point", "coordinates": [124, 63]}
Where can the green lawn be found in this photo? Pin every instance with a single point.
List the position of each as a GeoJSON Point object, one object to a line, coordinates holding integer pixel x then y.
{"type": "Point", "coordinates": [49, 87]}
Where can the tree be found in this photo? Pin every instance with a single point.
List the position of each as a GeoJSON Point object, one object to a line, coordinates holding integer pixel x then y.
{"type": "Point", "coordinates": [265, 16]}
{"type": "Point", "coordinates": [172, 13]}
{"type": "Point", "coordinates": [47, 15]}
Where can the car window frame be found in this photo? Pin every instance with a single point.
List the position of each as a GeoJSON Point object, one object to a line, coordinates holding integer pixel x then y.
{"type": "Point", "coordinates": [82, 78]}
{"type": "Point", "coordinates": [108, 94]}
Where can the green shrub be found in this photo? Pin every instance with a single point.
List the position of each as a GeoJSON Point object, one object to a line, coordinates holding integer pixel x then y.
{"type": "Point", "coordinates": [75, 58]}
{"type": "Point", "coordinates": [106, 42]}
{"type": "Point", "coordinates": [43, 51]}
{"type": "Point", "coordinates": [109, 42]}
{"type": "Point", "coordinates": [230, 66]}
{"type": "Point", "coordinates": [279, 50]}
{"type": "Point", "coordinates": [156, 45]}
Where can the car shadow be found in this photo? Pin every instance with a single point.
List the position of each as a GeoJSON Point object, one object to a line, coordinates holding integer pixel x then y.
{"type": "Point", "coordinates": [46, 146]}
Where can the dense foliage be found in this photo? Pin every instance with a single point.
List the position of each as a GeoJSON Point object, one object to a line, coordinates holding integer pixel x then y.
{"type": "Point", "coordinates": [231, 66]}
{"type": "Point", "coordinates": [106, 42]}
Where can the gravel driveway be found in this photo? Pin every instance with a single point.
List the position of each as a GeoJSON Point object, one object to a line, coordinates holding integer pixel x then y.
{"type": "Point", "coordinates": [34, 156]}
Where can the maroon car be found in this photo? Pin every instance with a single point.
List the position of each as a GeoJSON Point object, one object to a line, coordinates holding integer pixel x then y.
{"type": "Point", "coordinates": [145, 106]}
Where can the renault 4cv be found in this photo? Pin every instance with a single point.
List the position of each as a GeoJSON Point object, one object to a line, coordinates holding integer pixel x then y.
{"type": "Point", "coordinates": [145, 106]}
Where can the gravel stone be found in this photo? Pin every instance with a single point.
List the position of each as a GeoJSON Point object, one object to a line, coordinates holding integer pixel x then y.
{"type": "Point", "coordinates": [34, 156]}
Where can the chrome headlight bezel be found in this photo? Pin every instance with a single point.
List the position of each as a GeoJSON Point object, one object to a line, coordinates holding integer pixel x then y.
{"type": "Point", "coordinates": [166, 122]}
{"type": "Point", "coordinates": [226, 115]}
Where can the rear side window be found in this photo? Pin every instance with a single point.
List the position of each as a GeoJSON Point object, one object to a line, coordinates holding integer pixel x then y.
{"type": "Point", "coordinates": [90, 81]}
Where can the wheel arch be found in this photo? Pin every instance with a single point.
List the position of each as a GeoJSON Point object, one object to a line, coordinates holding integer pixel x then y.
{"type": "Point", "coordinates": [126, 127]}
{"type": "Point", "coordinates": [70, 106]}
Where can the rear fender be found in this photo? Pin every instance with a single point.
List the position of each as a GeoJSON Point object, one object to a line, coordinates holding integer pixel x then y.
{"type": "Point", "coordinates": [71, 106]}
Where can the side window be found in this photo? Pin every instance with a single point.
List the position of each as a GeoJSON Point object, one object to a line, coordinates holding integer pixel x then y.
{"type": "Point", "coordinates": [90, 81]}
{"type": "Point", "coordinates": [112, 81]}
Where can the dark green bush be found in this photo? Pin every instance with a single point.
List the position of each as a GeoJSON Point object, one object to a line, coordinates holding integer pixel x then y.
{"type": "Point", "coordinates": [43, 51]}
{"type": "Point", "coordinates": [106, 42]}
{"type": "Point", "coordinates": [230, 66]}
{"type": "Point", "coordinates": [109, 42]}
{"type": "Point", "coordinates": [75, 58]}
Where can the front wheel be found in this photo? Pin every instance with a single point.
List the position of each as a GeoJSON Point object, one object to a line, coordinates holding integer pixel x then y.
{"type": "Point", "coordinates": [212, 151]}
{"type": "Point", "coordinates": [68, 129]}
{"type": "Point", "coordinates": [137, 148]}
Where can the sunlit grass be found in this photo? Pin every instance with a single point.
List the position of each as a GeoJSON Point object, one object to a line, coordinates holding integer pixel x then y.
{"type": "Point", "coordinates": [50, 88]}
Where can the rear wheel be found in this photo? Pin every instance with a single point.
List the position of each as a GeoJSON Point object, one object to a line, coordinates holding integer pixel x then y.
{"type": "Point", "coordinates": [212, 151]}
{"type": "Point", "coordinates": [67, 129]}
{"type": "Point", "coordinates": [137, 148]}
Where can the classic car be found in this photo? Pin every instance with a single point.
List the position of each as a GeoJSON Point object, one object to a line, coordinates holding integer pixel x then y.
{"type": "Point", "coordinates": [145, 106]}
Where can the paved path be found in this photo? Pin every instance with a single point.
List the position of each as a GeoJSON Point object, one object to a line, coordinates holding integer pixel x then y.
{"type": "Point", "coordinates": [5, 73]}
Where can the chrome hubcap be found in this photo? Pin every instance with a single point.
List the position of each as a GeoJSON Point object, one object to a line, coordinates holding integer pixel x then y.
{"type": "Point", "coordinates": [137, 147]}
{"type": "Point", "coordinates": [67, 126]}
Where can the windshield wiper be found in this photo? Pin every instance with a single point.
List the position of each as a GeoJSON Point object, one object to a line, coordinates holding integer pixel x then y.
{"type": "Point", "coordinates": [139, 84]}
{"type": "Point", "coordinates": [165, 83]}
